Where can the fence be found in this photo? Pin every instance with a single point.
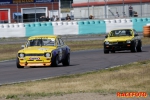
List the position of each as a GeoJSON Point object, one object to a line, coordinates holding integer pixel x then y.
{"type": "Point", "coordinates": [100, 9]}
{"type": "Point", "coordinates": [111, 8]}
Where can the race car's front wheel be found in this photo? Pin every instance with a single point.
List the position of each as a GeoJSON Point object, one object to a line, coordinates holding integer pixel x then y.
{"type": "Point", "coordinates": [134, 48]}
{"type": "Point", "coordinates": [66, 61]}
{"type": "Point", "coordinates": [55, 62]}
{"type": "Point", "coordinates": [106, 51]}
{"type": "Point", "coordinates": [112, 51]}
{"type": "Point", "coordinates": [139, 47]}
{"type": "Point", "coordinates": [17, 63]}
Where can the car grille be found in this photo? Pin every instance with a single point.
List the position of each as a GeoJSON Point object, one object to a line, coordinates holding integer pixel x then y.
{"type": "Point", "coordinates": [117, 43]}
{"type": "Point", "coordinates": [34, 54]}
{"type": "Point", "coordinates": [121, 42]}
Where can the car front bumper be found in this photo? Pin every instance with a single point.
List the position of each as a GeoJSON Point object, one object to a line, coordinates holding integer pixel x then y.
{"type": "Point", "coordinates": [34, 64]}
{"type": "Point", "coordinates": [118, 47]}
{"type": "Point", "coordinates": [28, 62]}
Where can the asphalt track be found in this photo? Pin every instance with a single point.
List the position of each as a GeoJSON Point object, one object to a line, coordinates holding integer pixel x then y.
{"type": "Point", "coordinates": [81, 61]}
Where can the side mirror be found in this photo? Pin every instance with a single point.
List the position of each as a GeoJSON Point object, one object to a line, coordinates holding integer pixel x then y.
{"type": "Point", "coordinates": [106, 36]}
{"type": "Point", "coordinates": [22, 46]}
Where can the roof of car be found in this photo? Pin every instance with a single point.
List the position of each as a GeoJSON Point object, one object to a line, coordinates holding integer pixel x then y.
{"type": "Point", "coordinates": [44, 36]}
{"type": "Point", "coordinates": [123, 29]}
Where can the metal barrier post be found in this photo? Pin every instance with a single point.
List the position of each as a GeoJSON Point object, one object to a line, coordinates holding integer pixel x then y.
{"type": "Point", "coordinates": [59, 10]}
{"type": "Point", "coordinates": [0, 17]}
{"type": "Point", "coordinates": [52, 9]}
{"type": "Point", "coordinates": [35, 11]}
{"type": "Point", "coordinates": [88, 9]}
{"type": "Point", "coordinates": [123, 6]}
{"type": "Point", "coordinates": [17, 13]}
{"type": "Point", "coordinates": [141, 7]}
{"type": "Point", "coordinates": [70, 9]}
{"type": "Point", "coordinates": [105, 9]}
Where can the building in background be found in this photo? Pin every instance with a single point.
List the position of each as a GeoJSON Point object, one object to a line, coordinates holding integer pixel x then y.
{"type": "Point", "coordinates": [27, 10]}
{"type": "Point", "coordinates": [107, 8]}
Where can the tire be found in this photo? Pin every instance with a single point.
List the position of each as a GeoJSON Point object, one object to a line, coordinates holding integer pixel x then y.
{"type": "Point", "coordinates": [106, 51]}
{"type": "Point", "coordinates": [113, 51]}
{"type": "Point", "coordinates": [55, 62]}
{"type": "Point", "coordinates": [17, 64]}
{"type": "Point", "coordinates": [139, 47]}
{"type": "Point", "coordinates": [66, 61]}
{"type": "Point", "coordinates": [134, 48]}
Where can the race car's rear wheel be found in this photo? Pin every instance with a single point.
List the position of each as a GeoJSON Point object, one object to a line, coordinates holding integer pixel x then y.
{"type": "Point", "coordinates": [66, 61]}
{"type": "Point", "coordinates": [55, 62]}
{"type": "Point", "coordinates": [17, 64]}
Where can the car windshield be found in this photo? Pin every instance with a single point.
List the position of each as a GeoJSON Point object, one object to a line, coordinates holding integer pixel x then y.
{"type": "Point", "coordinates": [41, 42]}
{"type": "Point", "coordinates": [116, 33]}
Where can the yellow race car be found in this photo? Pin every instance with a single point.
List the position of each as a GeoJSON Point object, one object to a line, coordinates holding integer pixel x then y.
{"type": "Point", "coordinates": [122, 39]}
{"type": "Point", "coordinates": [43, 50]}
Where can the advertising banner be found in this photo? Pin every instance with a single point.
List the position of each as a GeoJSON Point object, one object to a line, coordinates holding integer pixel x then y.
{"type": "Point", "coordinates": [3, 2]}
{"type": "Point", "coordinates": [42, 1]}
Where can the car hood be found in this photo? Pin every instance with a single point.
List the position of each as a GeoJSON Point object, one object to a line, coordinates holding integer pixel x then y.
{"type": "Point", "coordinates": [117, 39]}
{"type": "Point", "coordinates": [37, 49]}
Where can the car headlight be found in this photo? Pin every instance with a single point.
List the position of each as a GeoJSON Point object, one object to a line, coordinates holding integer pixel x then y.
{"type": "Point", "coordinates": [128, 41]}
{"type": "Point", "coordinates": [21, 55]}
{"type": "Point", "coordinates": [106, 42]}
{"type": "Point", "coordinates": [47, 54]}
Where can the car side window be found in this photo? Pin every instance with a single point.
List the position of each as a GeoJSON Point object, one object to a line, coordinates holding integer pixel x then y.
{"type": "Point", "coordinates": [58, 43]}
{"type": "Point", "coordinates": [61, 42]}
{"type": "Point", "coordinates": [135, 33]}
{"type": "Point", "coordinates": [128, 33]}
{"type": "Point", "coordinates": [112, 34]}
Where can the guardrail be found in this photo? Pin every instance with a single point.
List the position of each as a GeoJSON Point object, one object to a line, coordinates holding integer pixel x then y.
{"type": "Point", "coordinates": [71, 27]}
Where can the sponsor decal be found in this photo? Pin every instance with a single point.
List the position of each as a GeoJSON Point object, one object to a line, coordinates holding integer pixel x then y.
{"type": "Point", "coordinates": [131, 94]}
{"type": "Point", "coordinates": [34, 58]}
{"type": "Point", "coordinates": [23, 1]}
{"type": "Point", "coordinates": [35, 64]}
{"type": "Point", "coordinates": [40, 1]}
{"type": "Point", "coordinates": [40, 37]}
{"type": "Point", "coordinates": [2, 3]}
